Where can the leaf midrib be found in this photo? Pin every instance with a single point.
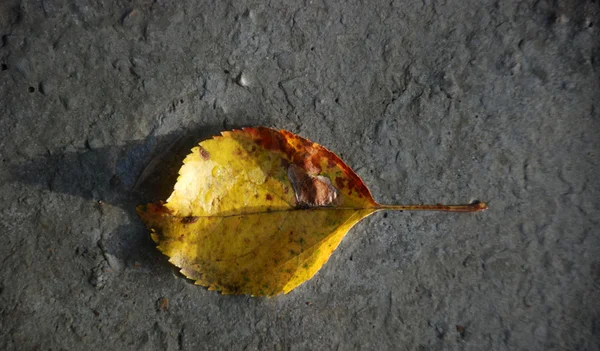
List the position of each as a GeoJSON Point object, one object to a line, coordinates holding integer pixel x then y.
{"type": "Point", "coordinates": [280, 211]}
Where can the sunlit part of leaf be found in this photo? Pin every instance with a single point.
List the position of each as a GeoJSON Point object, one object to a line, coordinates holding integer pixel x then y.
{"type": "Point", "coordinates": [259, 211]}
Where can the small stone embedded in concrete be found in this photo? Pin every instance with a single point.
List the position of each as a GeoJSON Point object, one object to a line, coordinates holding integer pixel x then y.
{"type": "Point", "coordinates": [162, 304]}
{"type": "Point", "coordinates": [242, 80]}
{"type": "Point", "coordinates": [100, 275]}
{"type": "Point", "coordinates": [131, 18]}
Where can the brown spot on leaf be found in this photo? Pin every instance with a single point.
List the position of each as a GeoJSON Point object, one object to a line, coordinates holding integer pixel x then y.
{"type": "Point", "coordinates": [269, 197]}
{"type": "Point", "coordinates": [203, 153]}
{"type": "Point", "coordinates": [189, 220]}
{"type": "Point", "coordinates": [339, 181]}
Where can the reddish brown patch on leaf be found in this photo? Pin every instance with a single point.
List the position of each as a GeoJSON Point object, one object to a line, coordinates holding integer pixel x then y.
{"type": "Point", "coordinates": [271, 139]}
{"type": "Point", "coordinates": [307, 155]}
{"type": "Point", "coordinates": [311, 191]}
{"type": "Point", "coordinates": [330, 163]}
{"type": "Point", "coordinates": [311, 168]}
{"type": "Point", "coordinates": [203, 153]}
{"type": "Point", "coordinates": [267, 138]}
{"type": "Point", "coordinates": [313, 164]}
{"type": "Point", "coordinates": [269, 197]}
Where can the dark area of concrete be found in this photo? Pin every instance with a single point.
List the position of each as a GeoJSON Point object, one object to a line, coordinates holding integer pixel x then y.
{"type": "Point", "coordinates": [429, 101]}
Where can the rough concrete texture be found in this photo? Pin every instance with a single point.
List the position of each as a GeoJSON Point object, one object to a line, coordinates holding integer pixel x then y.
{"type": "Point", "coordinates": [429, 101]}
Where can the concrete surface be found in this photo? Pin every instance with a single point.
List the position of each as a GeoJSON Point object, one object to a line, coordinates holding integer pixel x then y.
{"type": "Point", "coordinates": [429, 101]}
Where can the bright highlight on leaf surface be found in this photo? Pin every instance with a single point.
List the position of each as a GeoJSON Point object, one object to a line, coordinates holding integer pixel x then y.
{"type": "Point", "coordinates": [259, 211]}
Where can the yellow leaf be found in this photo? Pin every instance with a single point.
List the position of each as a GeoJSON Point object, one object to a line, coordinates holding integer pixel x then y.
{"type": "Point", "coordinates": [259, 211]}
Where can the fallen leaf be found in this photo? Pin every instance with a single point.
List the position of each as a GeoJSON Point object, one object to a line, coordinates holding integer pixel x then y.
{"type": "Point", "coordinates": [259, 211]}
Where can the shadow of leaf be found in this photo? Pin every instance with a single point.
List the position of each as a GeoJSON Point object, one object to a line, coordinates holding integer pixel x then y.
{"type": "Point", "coordinates": [138, 172]}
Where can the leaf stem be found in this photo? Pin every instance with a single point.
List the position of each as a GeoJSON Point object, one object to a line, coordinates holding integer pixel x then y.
{"type": "Point", "coordinates": [474, 207]}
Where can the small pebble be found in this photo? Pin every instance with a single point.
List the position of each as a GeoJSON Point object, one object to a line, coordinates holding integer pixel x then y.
{"type": "Point", "coordinates": [162, 304]}
{"type": "Point", "coordinates": [242, 80]}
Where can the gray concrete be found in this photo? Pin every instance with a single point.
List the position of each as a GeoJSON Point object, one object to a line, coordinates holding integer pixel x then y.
{"type": "Point", "coordinates": [429, 101]}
